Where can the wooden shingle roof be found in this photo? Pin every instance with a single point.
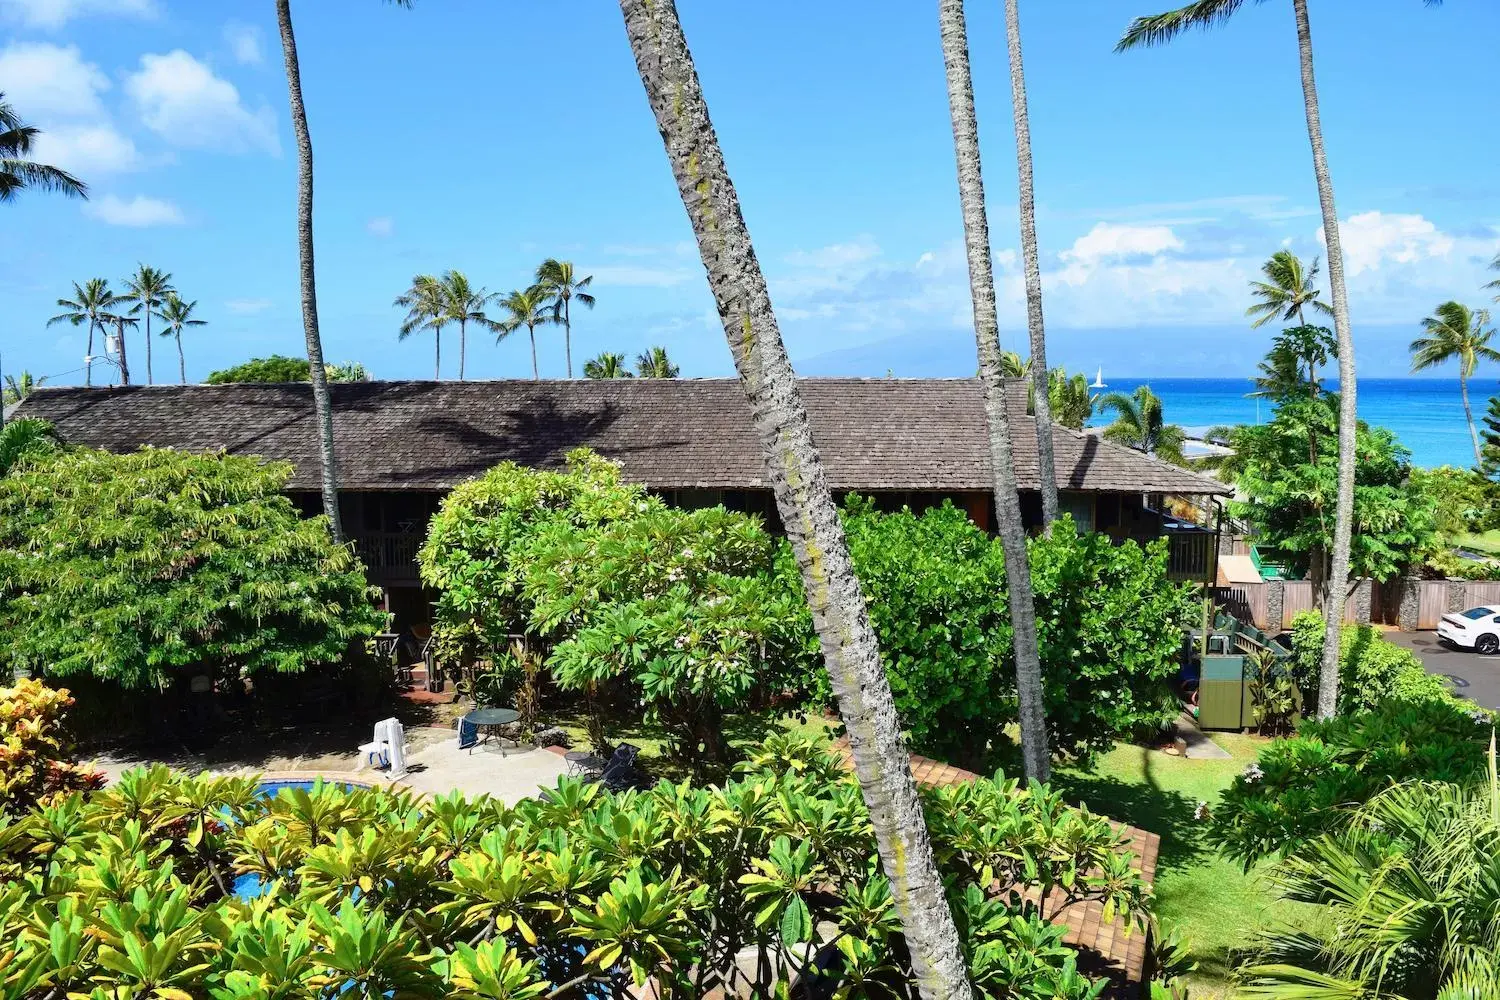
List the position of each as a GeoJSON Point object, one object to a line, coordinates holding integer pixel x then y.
{"type": "Point", "coordinates": [873, 434]}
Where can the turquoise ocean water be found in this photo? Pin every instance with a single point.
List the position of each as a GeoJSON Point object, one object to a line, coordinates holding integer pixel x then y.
{"type": "Point", "coordinates": [1427, 414]}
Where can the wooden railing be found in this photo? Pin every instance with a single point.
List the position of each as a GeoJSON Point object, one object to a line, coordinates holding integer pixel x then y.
{"type": "Point", "coordinates": [1190, 555]}
{"type": "Point", "coordinates": [388, 555]}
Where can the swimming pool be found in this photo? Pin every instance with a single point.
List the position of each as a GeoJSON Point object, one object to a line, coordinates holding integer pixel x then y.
{"type": "Point", "coordinates": [250, 886]}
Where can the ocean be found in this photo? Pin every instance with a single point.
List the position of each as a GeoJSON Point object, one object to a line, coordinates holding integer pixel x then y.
{"type": "Point", "coordinates": [1426, 414]}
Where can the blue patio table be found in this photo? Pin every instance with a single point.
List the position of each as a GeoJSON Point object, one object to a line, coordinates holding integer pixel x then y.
{"type": "Point", "coordinates": [487, 720]}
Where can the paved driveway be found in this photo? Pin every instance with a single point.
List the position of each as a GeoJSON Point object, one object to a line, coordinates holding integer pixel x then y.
{"type": "Point", "coordinates": [1474, 676]}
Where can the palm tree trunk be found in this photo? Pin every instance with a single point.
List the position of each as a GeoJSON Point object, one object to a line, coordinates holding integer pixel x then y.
{"type": "Point", "coordinates": [987, 333]}
{"type": "Point", "coordinates": [568, 337]}
{"type": "Point", "coordinates": [1463, 389]}
{"type": "Point", "coordinates": [149, 379]}
{"type": "Point", "coordinates": [463, 336]}
{"type": "Point", "coordinates": [1031, 264]}
{"type": "Point", "coordinates": [322, 405]}
{"type": "Point", "coordinates": [88, 366]}
{"type": "Point", "coordinates": [181, 362]}
{"type": "Point", "coordinates": [536, 373]}
{"type": "Point", "coordinates": [1338, 573]}
{"type": "Point", "coordinates": [124, 359]}
{"type": "Point", "coordinates": [803, 498]}
{"type": "Point", "coordinates": [437, 354]}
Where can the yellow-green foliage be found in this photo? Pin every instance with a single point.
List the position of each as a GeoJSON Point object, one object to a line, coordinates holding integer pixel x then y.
{"type": "Point", "coordinates": [33, 765]}
{"type": "Point", "coordinates": [374, 892]}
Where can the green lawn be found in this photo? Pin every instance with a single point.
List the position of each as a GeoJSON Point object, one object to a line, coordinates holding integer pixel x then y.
{"type": "Point", "coordinates": [1487, 543]}
{"type": "Point", "coordinates": [1206, 897]}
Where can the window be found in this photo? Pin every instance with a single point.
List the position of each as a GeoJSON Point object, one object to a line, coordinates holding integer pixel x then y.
{"type": "Point", "coordinates": [1474, 614]}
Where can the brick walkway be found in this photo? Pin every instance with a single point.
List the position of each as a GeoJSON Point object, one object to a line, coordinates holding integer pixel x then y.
{"type": "Point", "coordinates": [1105, 949]}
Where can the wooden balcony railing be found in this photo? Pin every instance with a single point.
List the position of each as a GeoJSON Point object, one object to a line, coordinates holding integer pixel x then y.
{"type": "Point", "coordinates": [388, 555]}
{"type": "Point", "coordinates": [1190, 555]}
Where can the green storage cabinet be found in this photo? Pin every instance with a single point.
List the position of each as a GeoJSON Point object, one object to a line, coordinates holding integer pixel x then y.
{"type": "Point", "coordinates": [1224, 693]}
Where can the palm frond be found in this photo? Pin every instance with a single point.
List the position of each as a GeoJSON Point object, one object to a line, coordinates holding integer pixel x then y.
{"type": "Point", "coordinates": [1159, 29]}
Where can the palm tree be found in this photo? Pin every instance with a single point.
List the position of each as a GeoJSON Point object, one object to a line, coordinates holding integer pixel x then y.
{"type": "Point", "coordinates": [426, 305]}
{"type": "Point", "coordinates": [18, 170]}
{"type": "Point", "coordinates": [655, 364]}
{"type": "Point", "coordinates": [18, 387]}
{"type": "Point", "coordinates": [25, 438]}
{"type": "Point", "coordinates": [606, 365]}
{"type": "Point", "coordinates": [564, 286]}
{"type": "Point", "coordinates": [322, 404]}
{"type": "Point", "coordinates": [1162, 28]}
{"type": "Point", "coordinates": [1031, 264]}
{"type": "Point", "coordinates": [1288, 289]}
{"type": "Point", "coordinates": [991, 365]}
{"type": "Point", "coordinates": [1140, 424]}
{"type": "Point", "coordinates": [177, 314]}
{"type": "Point", "coordinates": [803, 497]}
{"type": "Point", "coordinates": [1072, 403]}
{"type": "Point", "coordinates": [1456, 333]}
{"type": "Point", "coordinates": [527, 308]}
{"type": "Point", "coordinates": [147, 287]}
{"type": "Point", "coordinates": [89, 303]}
{"type": "Point", "coordinates": [464, 305]}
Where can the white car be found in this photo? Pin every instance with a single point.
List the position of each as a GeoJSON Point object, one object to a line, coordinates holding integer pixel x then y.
{"type": "Point", "coordinates": [1477, 629]}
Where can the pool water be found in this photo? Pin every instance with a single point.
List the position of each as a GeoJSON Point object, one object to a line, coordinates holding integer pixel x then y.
{"type": "Point", "coordinates": [250, 886]}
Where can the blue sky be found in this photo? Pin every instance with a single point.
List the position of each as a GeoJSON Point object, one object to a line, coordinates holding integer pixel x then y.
{"type": "Point", "coordinates": [486, 136]}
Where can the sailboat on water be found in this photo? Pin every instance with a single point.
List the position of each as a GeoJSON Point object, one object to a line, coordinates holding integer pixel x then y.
{"type": "Point", "coordinates": [1098, 382]}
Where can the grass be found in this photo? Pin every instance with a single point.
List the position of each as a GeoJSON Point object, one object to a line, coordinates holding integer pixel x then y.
{"type": "Point", "coordinates": [1487, 543]}
{"type": "Point", "coordinates": [1207, 898]}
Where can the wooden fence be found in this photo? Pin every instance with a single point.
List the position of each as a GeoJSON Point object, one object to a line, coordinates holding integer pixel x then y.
{"type": "Point", "coordinates": [1250, 601]}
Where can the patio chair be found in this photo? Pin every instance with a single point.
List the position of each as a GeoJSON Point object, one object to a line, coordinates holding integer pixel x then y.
{"type": "Point", "coordinates": [387, 750]}
{"type": "Point", "coordinates": [621, 773]}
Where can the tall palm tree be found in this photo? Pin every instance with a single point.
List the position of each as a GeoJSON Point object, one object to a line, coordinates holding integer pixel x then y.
{"type": "Point", "coordinates": [1012, 530]}
{"type": "Point", "coordinates": [120, 320]}
{"type": "Point", "coordinates": [177, 315]}
{"type": "Point", "coordinates": [18, 387]}
{"type": "Point", "coordinates": [606, 365]}
{"type": "Point", "coordinates": [426, 305]}
{"type": "Point", "coordinates": [1456, 333]}
{"type": "Point", "coordinates": [803, 497]}
{"type": "Point", "coordinates": [564, 286]}
{"type": "Point", "coordinates": [89, 303]}
{"type": "Point", "coordinates": [1162, 28]}
{"type": "Point", "coordinates": [655, 364]}
{"type": "Point", "coordinates": [1031, 264]}
{"type": "Point", "coordinates": [1289, 288]}
{"type": "Point", "coordinates": [322, 404]}
{"type": "Point", "coordinates": [528, 308]}
{"type": "Point", "coordinates": [148, 287]}
{"type": "Point", "coordinates": [18, 170]}
{"type": "Point", "coordinates": [465, 304]}
{"type": "Point", "coordinates": [1140, 423]}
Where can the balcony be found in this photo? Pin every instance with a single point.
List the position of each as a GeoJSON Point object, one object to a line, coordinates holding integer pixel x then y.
{"type": "Point", "coordinates": [389, 556]}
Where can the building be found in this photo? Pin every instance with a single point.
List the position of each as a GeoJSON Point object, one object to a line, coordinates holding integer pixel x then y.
{"type": "Point", "coordinates": [402, 445]}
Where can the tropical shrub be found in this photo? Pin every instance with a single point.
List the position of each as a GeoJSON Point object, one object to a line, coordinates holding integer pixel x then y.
{"type": "Point", "coordinates": [1372, 670]}
{"type": "Point", "coordinates": [1308, 785]}
{"type": "Point", "coordinates": [375, 892]}
{"type": "Point", "coordinates": [1109, 626]}
{"type": "Point", "coordinates": [132, 567]}
{"type": "Point", "coordinates": [24, 440]}
{"type": "Point", "coordinates": [34, 767]}
{"type": "Point", "coordinates": [278, 368]}
{"type": "Point", "coordinates": [1408, 890]}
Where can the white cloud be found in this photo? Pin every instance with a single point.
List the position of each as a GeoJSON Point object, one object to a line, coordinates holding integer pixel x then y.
{"type": "Point", "coordinates": [87, 150]}
{"type": "Point", "coordinates": [640, 275]}
{"type": "Point", "coordinates": [1107, 241]}
{"type": "Point", "coordinates": [43, 79]}
{"type": "Point", "coordinates": [244, 42]}
{"type": "Point", "coordinates": [139, 212]}
{"type": "Point", "coordinates": [837, 255]}
{"type": "Point", "coordinates": [247, 307]}
{"type": "Point", "coordinates": [381, 226]}
{"type": "Point", "coordinates": [1373, 239]}
{"type": "Point", "coordinates": [56, 13]}
{"type": "Point", "coordinates": [181, 99]}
